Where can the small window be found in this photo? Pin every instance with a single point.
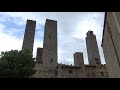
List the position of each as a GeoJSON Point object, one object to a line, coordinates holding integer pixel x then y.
{"type": "Point", "coordinates": [97, 61]}
{"type": "Point", "coordinates": [102, 73]}
{"type": "Point", "coordinates": [51, 60]}
{"type": "Point", "coordinates": [91, 32]}
{"type": "Point", "coordinates": [70, 71]}
{"type": "Point", "coordinates": [55, 73]}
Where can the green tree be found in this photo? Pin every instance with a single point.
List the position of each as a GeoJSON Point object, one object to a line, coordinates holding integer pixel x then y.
{"type": "Point", "coordinates": [16, 64]}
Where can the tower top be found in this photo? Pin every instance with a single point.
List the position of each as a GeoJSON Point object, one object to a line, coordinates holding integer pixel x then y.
{"type": "Point", "coordinates": [31, 20]}
{"type": "Point", "coordinates": [78, 53]}
{"type": "Point", "coordinates": [50, 20]}
{"type": "Point", "coordinates": [89, 33]}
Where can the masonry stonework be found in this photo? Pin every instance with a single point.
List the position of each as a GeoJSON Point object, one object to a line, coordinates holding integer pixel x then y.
{"type": "Point", "coordinates": [111, 43]}
{"type": "Point", "coordinates": [78, 59]}
{"type": "Point", "coordinates": [50, 44]}
{"type": "Point", "coordinates": [92, 49]}
{"type": "Point", "coordinates": [39, 55]}
{"type": "Point", "coordinates": [47, 65]}
{"type": "Point", "coordinates": [28, 41]}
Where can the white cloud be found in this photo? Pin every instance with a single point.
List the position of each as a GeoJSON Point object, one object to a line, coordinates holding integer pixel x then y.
{"type": "Point", "coordinates": [72, 29]}
{"type": "Point", "coordinates": [9, 42]}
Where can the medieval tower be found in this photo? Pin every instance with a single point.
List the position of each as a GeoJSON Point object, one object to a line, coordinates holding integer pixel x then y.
{"type": "Point", "coordinates": [29, 35]}
{"type": "Point", "coordinates": [78, 59]}
{"type": "Point", "coordinates": [92, 49]}
{"type": "Point", "coordinates": [39, 55]}
{"type": "Point", "coordinates": [49, 56]}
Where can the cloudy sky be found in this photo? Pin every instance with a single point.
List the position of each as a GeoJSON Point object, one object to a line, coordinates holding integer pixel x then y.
{"type": "Point", "coordinates": [72, 29]}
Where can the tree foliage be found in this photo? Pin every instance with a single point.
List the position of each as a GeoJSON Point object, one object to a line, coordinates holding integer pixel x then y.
{"type": "Point", "coordinates": [16, 64]}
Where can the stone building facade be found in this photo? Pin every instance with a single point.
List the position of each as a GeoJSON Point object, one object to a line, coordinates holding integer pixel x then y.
{"type": "Point", "coordinates": [111, 43]}
{"type": "Point", "coordinates": [85, 71]}
{"type": "Point", "coordinates": [68, 71]}
{"type": "Point", "coordinates": [47, 64]}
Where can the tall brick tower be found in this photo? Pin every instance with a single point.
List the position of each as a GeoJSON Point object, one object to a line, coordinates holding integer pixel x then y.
{"type": "Point", "coordinates": [29, 35]}
{"type": "Point", "coordinates": [92, 49]}
{"type": "Point", "coordinates": [50, 44]}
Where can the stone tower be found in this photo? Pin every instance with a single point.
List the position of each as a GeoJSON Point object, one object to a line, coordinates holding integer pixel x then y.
{"type": "Point", "coordinates": [29, 35]}
{"type": "Point", "coordinates": [39, 55]}
{"type": "Point", "coordinates": [50, 44]}
{"type": "Point", "coordinates": [92, 49]}
{"type": "Point", "coordinates": [78, 59]}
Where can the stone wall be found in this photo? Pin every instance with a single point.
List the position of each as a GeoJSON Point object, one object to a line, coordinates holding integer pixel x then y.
{"type": "Point", "coordinates": [98, 71]}
{"type": "Point", "coordinates": [86, 71]}
{"type": "Point", "coordinates": [111, 46]}
{"type": "Point", "coordinates": [43, 72]}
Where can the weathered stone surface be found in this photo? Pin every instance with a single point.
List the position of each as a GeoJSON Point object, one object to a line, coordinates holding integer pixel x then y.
{"type": "Point", "coordinates": [43, 72]}
{"type": "Point", "coordinates": [92, 49]}
{"type": "Point", "coordinates": [39, 55]}
{"type": "Point", "coordinates": [28, 41]}
{"type": "Point", "coordinates": [78, 59]}
{"type": "Point", "coordinates": [50, 44]}
{"type": "Point", "coordinates": [49, 68]}
{"type": "Point", "coordinates": [111, 44]}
